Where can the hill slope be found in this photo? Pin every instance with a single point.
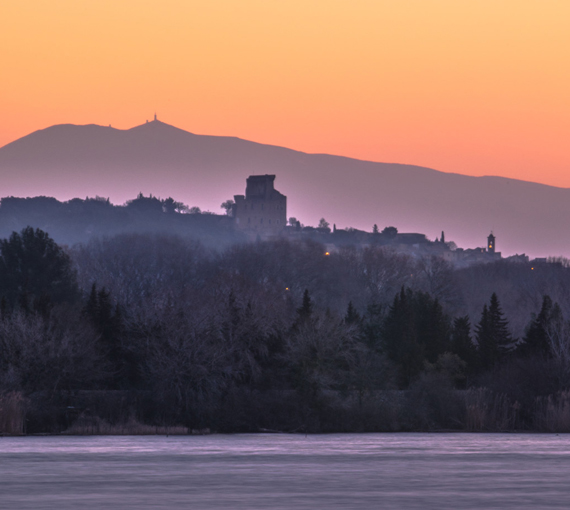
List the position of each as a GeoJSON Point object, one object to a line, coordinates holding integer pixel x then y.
{"type": "Point", "coordinates": [67, 161]}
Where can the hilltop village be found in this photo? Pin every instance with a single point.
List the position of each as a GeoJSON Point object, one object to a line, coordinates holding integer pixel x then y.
{"type": "Point", "coordinates": [262, 213]}
{"type": "Point", "coordinates": [259, 214]}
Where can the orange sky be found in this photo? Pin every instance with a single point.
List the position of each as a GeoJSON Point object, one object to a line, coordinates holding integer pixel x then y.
{"type": "Point", "coordinates": [475, 87]}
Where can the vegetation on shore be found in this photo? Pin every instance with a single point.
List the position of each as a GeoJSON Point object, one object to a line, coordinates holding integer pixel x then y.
{"type": "Point", "coordinates": [151, 333]}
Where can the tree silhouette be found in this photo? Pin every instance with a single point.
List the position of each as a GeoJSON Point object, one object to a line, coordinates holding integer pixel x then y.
{"type": "Point", "coordinates": [35, 271]}
{"type": "Point", "coordinates": [493, 337]}
{"type": "Point", "coordinates": [352, 316]}
{"type": "Point", "coordinates": [305, 311]}
{"type": "Point", "coordinates": [145, 205]}
{"type": "Point", "coordinates": [536, 337]}
{"type": "Point", "coordinates": [399, 337]}
{"type": "Point", "coordinates": [462, 344]}
{"type": "Point", "coordinates": [107, 322]}
{"type": "Point", "coordinates": [390, 232]}
{"type": "Point", "coordinates": [228, 206]}
{"type": "Point", "coordinates": [170, 206]}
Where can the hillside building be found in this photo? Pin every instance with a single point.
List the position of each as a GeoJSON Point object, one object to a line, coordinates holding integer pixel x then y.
{"type": "Point", "coordinates": [263, 210]}
{"type": "Point", "coordinates": [491, 243]}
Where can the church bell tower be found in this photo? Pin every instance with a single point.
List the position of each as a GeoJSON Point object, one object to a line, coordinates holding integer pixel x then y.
{"type": "Point", "coordinates": [491, 243]}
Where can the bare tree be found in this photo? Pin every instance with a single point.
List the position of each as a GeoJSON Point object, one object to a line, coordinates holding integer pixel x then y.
{"type": "Point", "coordinates": [439, 280]}
{"type": "Point", "coordinates": [48, 354]}
{"type": "Point", "coordinates": [558, 335]}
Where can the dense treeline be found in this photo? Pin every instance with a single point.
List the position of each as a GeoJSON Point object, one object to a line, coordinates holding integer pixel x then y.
{"type": "Point", "coordinates": [78, 220]}
{"type": "Point", "coordinates": [277, 336]}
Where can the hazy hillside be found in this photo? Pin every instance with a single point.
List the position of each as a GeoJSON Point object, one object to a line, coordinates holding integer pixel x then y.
{"type": "Point", "coordinates": [69, 161]}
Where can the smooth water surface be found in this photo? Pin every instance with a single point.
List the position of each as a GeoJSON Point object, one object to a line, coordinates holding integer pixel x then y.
{"type": "Point", "coordinates": [254, 471]}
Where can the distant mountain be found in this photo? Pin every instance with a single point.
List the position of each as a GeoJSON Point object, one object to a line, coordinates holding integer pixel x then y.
{"type": "Point", "coordinates": [67, 161]}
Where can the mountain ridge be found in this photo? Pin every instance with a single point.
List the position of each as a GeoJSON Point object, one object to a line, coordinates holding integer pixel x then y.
{"type": "Point", "coordinates": [227, 137]}
{"type": "Point", "coordinates": [68, 160]}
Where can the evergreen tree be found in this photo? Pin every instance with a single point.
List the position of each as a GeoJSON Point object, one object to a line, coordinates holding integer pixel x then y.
{"type": "Point", "coordinates": [352, 316]}
{"type": "Point", "coordinates": [3, 308]}
{"type": "Point", "coordinates": [462, 344]}
{"type": "Point", "coordinates": [305, 312]}
{"type": "Point", "coordinates": [536, 339]}
{"type": "Point", "coordinates": [232, 321]}
{"type": "Point", "coordinates": [34, 268]}
{"type": "Point", "coordinates": [104, 313]}
{"type": "Point", "coordinates": [488, 354]}
{"type": "Point", "coordinates": [432, 326]}
{"type": "Point", "coordinates": [415, 330]}
{"type": "Point", "coordinates": [91, 306]}
{"type": "Point", "coordinates": [371, 326]}
{"type": "Point", "coordinates": [493, 337]}
{"type": "Point", "coordinates": [500, 325]}
{"type": "Point", "coordinates": [399, 337]}
{"type": "Point", "coordinates": [107, 321]}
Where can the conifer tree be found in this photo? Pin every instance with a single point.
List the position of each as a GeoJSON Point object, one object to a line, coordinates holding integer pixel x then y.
{"type": "Point", "coordinates": [306, 309]}
{"type": "Point", "coordinates": [432, 325]}
{"type": "Point", "coordinates": [91, 306]}
{"type": "Point", "coordinates": [233, 318]}
{"type": "Point", "coordinates": [3, 308]}
{"type": "Point", "coordinates": [536, 339]}
{"type": "Point", "coordinates": [372, 326]}
{"type": "Point", "coordinates": [34, 268]}
{"type": "Point", "coordinates": [352, 316]}
{"type": "Point", "coordinates": [399, 337]}
{"type": "Point", "coordinates": [493, 337]}
{"type": "Point", "coordinates": [487, 349]}
{"type": "Point", "coordinates": [107, 321]}
{"type": "Point", "coordinates": [462, 344]}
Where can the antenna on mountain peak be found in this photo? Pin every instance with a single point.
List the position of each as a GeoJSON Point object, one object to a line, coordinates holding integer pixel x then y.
{"type": "Point", "coordinates": [155, 116]}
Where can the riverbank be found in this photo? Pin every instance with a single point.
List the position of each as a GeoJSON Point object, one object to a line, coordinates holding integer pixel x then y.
{"type": "Point", "coordinates": [423, 408]}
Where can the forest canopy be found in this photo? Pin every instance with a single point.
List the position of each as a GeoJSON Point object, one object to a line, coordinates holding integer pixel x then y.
{"type": "Point", "coordinates": [279, 335]}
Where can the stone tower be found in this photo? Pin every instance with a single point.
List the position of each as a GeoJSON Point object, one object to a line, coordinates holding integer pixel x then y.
{"type": "Point", "coordinates": [263, 210]}
{"type": "Point", "coordinates": [491, 243]}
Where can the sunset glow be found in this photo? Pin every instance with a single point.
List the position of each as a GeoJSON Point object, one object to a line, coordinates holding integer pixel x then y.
{"type": "Point", "coordinates": [478, 88]}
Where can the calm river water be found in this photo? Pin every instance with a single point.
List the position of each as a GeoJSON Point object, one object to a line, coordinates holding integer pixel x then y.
{"type": "Point", "coordinates": [253, 471]}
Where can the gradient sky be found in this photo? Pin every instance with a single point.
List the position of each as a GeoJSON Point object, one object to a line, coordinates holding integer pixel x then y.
{"type": "Point", "coordinates": [474, 87]}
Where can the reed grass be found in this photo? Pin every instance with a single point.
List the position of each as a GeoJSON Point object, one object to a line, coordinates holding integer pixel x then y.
{"type": "Point", "coordinates": [12, 414]}
{"type": "Point", "coordinates": [489, 411]}
{"type": "Point", "coordinates": [93, 425]}
{"type": "Point", "coordinates": [552, 413]}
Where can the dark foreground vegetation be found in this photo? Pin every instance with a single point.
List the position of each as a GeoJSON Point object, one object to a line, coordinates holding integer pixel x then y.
{"type": "Point", "coordinates": [145, 332]}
